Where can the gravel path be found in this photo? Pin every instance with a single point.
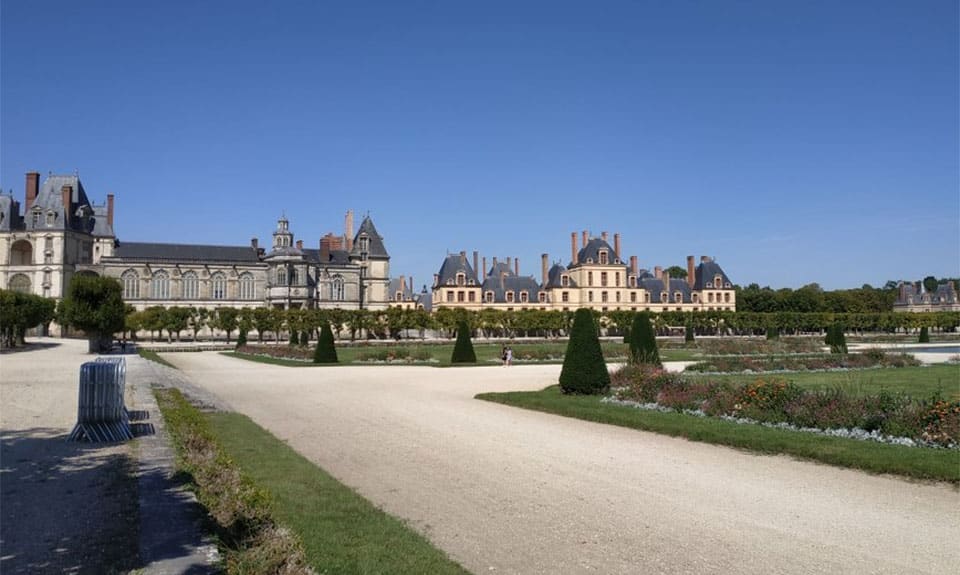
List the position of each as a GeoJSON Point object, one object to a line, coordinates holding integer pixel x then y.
{"type": "Point", "coordinates": [513, 491]}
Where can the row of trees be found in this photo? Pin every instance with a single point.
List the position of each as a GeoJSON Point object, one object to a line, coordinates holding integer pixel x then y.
{"type": "Point", "coordinates": [20, 312]}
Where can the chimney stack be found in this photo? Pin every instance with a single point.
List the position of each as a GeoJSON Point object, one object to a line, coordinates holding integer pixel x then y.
{"type": "Point", "coordinates": [704, 259]}
{"type": "Point", "coordinates": [325, 248]}
{"type": "Point", "coordinates": [254, 243]}
{"type": "Point", "coordinates": [110, 210]}
{"type": "Point", "coordinates": [586, 236]}
{"type": "Point", "coordinates": [543, 268]}
{"type": "Point", "coordinates": [666, 284]}
{"type": "Point", "coordinates": [411, 284]}
{"type": "Point", "coordinates": [66, 195]}
{"type": "Point", "coordinates": [509, 262]}
{"type": "Point", "coordinates": [463, 258]}
{"type": "Point", "coordinates": [573, 248]}
{"type": "Point", "coordinates": [633, 265]}
{"type": "Point", "coordinates": [494, 261]}
{"type": "Point", "coordinates": [403, 284]}
{"type": "Point", "coordinates": [658, 272]}
{"type": "Point", "coordinates": [691, 271]}
{"type": "Point", "coordinates": [476, 257]}
{"type": "Point", "coordinates": [603, 236]}
{"type": "Point", "coordinates": [616, 245]}
{"type": "Point", "coordinates": [483, 273]}
{"type": "Point", "coordinates": [299, 244]}
{"type": "Point", "coordinates": [33, 189]}
{"type": "Point", "coordinates": [348, 230]}
{"type": "Point", "coordinates": [516, 267]}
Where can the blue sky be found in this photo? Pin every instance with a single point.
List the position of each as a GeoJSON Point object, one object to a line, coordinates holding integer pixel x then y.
{"type": "Point", "coordinates": [796, 142]}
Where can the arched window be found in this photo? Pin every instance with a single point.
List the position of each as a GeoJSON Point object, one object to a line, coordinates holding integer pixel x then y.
{"type": "Point", "coordinates": [509, 296]}
{"type": "Point", "coordinates": [21, 254]}
{"type": "Point", "coordinates": [248, 287]}
{"type": "Point", "coordinates": [524, 298]}
{"type": "Point", "coordinates": [336, 288]}
{"type": "Point", "coordinates": [281, 277]}
{"type": "Point", "coordinates": [20, 283]}
{"type": "Point", "coordinates": [160, 285]}
{"type": "Point", "coordinates": [294, 276]}
{"type": "Point", "coordinates": [131, 284]}
{"type": "Point", "coordinates": [190, 286]}
{"type": "Point", "coordinates": [218, 286]}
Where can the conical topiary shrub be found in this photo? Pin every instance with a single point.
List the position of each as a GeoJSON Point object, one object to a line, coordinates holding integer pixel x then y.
{"type": "Point", "coordinates": [584, 370]}
{"type": "Point", "coordinates": [924, 335]}
{"type": "Point", "coordinates": [463, 348]}
{"type": "Point", "coordinates": [688, 333]}
{"type": "Point", "coordinates": [643, 342]}
{"type": "Point", "coordinates": [304, 338]}
{"type": "Point", "coordinates": [294, 338]}
{"type": "Point", "coordinates": [835, 339]}
{"type": "Point", "coordinates": [326, 351]}
{"type": "Point", "coordinates": [773, 332]}
{"type": "Point", "coordinates": [242, 338]}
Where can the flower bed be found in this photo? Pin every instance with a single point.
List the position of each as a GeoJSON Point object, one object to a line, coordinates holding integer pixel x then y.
{"type": "Point", "coordinates": [929, 422]}
{"type": "Point", "coordinates": [870, 358]}
{"type": "Point", "coordinates": [278, 351]}
{"type": "Point", "coordinates": [740, 346]}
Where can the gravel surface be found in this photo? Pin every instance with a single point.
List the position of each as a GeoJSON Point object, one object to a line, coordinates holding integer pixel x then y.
{"type": "Point", "coordinates": [512, 491]}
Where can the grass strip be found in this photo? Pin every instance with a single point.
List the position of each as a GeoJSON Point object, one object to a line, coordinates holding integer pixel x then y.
{"type": "Point", "coordinates": [918, 463]}
{"type": "Point", "coordinates": [250, 539]}
{"type": "Point", "coordinates": [154, 356]}
{"type": "Point", "coordinates": [342, 532]}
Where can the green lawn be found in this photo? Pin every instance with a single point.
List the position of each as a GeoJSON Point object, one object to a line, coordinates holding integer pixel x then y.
{"type": "Point", "coordinates": [153, 356]}
{"type": "Point", "coordinates": [917, 381]}
{"type": "Point", "coordinates": [921, 463]}
{"type": "Point", "coordinates": [341, 531]}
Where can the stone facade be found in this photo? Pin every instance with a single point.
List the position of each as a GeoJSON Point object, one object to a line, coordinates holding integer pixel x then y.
{"type": "Point", "coordinates": [596, 277]}
{"type": "Point", "coordinates": [61, 233]}
{"type": "Point", "coordinates": [914, 298]}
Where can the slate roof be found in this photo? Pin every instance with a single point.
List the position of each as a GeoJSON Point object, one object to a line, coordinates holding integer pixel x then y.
{"type": "Point", "coordinates": [49, 198]}
{"type": "Point", "coordinates": [454, 264]}
{"type": "Point", "coordinates": [375, 249]}
{"type": "Point", "coordinates": [591, 251]}
{"type": "Point", "coordinates": [500, 285]}
{"type": "Point", "coordinates": [10, 213]}
{"type": "Point", "coordinates": [137, 251]}
{"type": "Point", "coordinates": [498, 269]}
{"type": "Point", "coordinates": [396, 285]}
{"type": "Point", "coordinates": [425, 299]}
{"type": "Point", "coordinates": [705, 273]}
{"type": "Point", "coordinates": [655, 288]}
{"type": "Point", "coordinates": [553, 277]}
{"type": "Point", "coordinates": [337, 257]}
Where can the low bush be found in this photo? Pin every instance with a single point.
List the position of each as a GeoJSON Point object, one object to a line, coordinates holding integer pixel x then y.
{"type": "Point", "coordinates": [870, 358]}
{"type": "Point", "coordinates": [744, 346]}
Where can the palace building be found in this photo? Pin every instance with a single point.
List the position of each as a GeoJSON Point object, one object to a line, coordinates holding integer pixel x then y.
{"type": "Point", "coordinates": [60, 233]}
{"type": "Point", "coordinates": [596, 277]}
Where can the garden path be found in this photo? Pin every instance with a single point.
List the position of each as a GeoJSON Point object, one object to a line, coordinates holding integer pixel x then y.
{"type": "Point", "coordinates": [512, 491]}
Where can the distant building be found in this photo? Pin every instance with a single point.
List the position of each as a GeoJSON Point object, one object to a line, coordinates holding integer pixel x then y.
{"type": "Point", "coordinates": [914, 298]}
{"type": "Point", "coordinates": [61, 234]}
{"type": "Point", "coordinates": [596, 277]}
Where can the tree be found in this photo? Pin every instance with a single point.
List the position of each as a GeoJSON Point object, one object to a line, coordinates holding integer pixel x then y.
{"type": "Point", "coordinates": [676, 272]}
{"type": "Point", "coordinates": [326, 351]}
{"type": "Point", "coordinates": [175, 320]}
{"type": "Point", "coordinates": [924, 335]}
{"type": "Point", "coordinates": [225, 318]}
{"type": "Point", "coordinates": [94, 304]}
{"type": "Point", "coordinates": [463, 348]}
{"type": "Point", "coordinates": [19, 312]}
{"type": "Point", "coordinates": [584, 371]}
{"type": "Point", "coordinates": [836, 339]}
{"type": "Point", "coordinates": [930, 284]}
{"type": "Point", "coordinates": [643, 342]}
{"type": "Point", "coordinates": [688, 332]}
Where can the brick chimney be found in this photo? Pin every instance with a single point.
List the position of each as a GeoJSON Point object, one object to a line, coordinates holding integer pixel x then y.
{"type": "Point", "coordinates": [544, 260]}
{"type": "Point", "coordinates": [616, 245]}
{"type": "Point", "coordinates": [691, 271]}
{"type": "Point", "coordinates": [66, 196]}
{"type": "Point", "coordinates": [403, 284]}
{"type": "Point", "coordinates": [325, 248]}
{"type": "Point", "coordinates": [573, 248]}
{"type": "Point", "coordinates": [516, 267]}
{"type": "Point", "coordinates": [658, 272]}
{"type": "Point", "coordinates": [411, 284]}
{"type": "Point", "coordinates": [476, 257]}
{"type": "Point", "coordinates": [633, 265]}
{"type": "Point", "coordinates": [509, 262]}
{"type": "Point", "coordinates": [704, 259]}
{"type": "Point", "coordinates": [110, 210]}
{"type": "Point", "coordinates": [32, 189]}
{"type": "Point", "coordinates": [483, 272]}
{"type": "Point", "coordinates": [666, 285]}
{"type": "Point", "coordinates": [348, 230]}
{"type": "Point", "coordinates": [586, 237]}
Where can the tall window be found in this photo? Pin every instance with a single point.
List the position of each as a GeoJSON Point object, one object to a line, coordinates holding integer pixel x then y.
{"type": "Point", "coordinates": [564, 281]}
{"type": "Point", "coordinates": [603, 279]}
{"type": "Point", "coordinates": [336, 288]}
{"type": "Point", "coordinates": [281, 277]}
{"type": "Point", "coordinates": [488, 297]}
{"type": "Point", "coordinates": [21, 254]}
{"type": "Point", "coordinates": [190, 286]}
{"type": "Point", "coordinates": [20, 283]}
{"type": "Point", "coordinates": [131, 284]}
{"type": "Point", "coordinates": [160, 285]}
{"type": "Point", "coordinates": [218, 286]}
{"type": "Point", "coordinates": [603, 256]}
{"type": "Point", "coordinates": [294, 276]}
{"type": "Point", "coordinates": [603, 296]}
{"type": "Point", "coordinates": [248, 286]}
{"type": "Point", "coordinates": [509, 297]}
{"type": "Point", "coordinates": [565, 296]}
{"type": "Point", "coordinates": [524, 298]}
{"type": "Point", "coordinates": [589, 278]}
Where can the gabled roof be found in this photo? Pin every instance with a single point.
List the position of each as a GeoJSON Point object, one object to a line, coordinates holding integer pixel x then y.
{"type": "Point", "coordinates": [454, 264]}
{"type": "Point", "coordinates": [375, 247]}
{"type": "Point", "coordinates": [591, 252]}
{"type": "Point", "coordinates": [554, 275]}
{"type": "Point", "coordinates": [84, 217]}
{"type": "Point", "coordinates": [502, 284]}
{"type": "Point", "coordinates": [705, 273]}
{"type": "Point", "coordinates": [10, 213]}
{"type": "Point", "coordinates": [147, 252]}
{"type": "Point", "coordinates": [498, 269]}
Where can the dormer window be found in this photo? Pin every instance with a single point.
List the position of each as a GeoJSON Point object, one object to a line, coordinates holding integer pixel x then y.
{"type": "Point", "coordinates": [603, 257]}
{"type": "Point", "coordinates": [542, 297]}
{"type": "Point", "coordinates": [589, 260]}
{"type": "Point", "coordinates": [461, 278]}
{"type": "Point", "coordinates": [51, 217]}
{"type": "Point", "coordinates": [488, 297]}
{"type": "Point", "coordinates": [664, 296]}
{"type": "Point", "coordinates": [509, 297]}
{"type": "Point", "coordinates": [565, 281]}
{"type": "Point", "coordinates": [37, 215]}
{"type": "Point", "coordinates": [678, 297]}
{"type": "Point", "coordinates": [709, 284]}
{"type": "Point", "coordinates": [718, 281]}
{"type": "Point", "coordinates": [524, 298]}
{"type": "Point", "coordinates": [727, 285]}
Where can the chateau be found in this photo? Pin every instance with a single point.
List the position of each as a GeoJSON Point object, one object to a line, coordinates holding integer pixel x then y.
{"type": "Point", "coordinates": [596, 277]}
{"type": "Point", "coordinates": [61, 234]}
{"type": "Point", "coordinates": [915, 298]}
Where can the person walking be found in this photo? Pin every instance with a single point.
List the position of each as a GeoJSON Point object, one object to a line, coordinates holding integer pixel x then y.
{"type": "Point", "coordinates": [509, 356]}
{"type": "Point", "coordinates": [503, 356]}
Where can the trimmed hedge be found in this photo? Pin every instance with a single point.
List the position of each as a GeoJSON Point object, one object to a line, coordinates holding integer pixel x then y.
{"type": "Point", "coordinates": [584, 371]}
{"type": "Point", "coordinates": [643, 342]}
{"type": "Point", "coordinates": [326, 351]}
{"type": "Point", "coordinates": [924, 335]}
{"type": "Point", "coordinates": [463, 348]}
